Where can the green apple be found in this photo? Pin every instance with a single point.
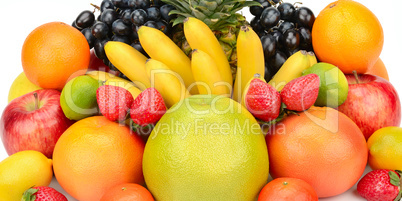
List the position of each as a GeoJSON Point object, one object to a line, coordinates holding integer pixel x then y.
{"type": "Point", "coordinates": [21, 86]}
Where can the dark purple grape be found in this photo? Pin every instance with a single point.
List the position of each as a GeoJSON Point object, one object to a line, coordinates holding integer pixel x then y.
{"type": "Point", "coordinates": [269, 17]}
{"type": "Point", "coordinates": [291, 39]}
{"type": "Point", "coordinates": [125, 15]}
{"type": "Point", "coordinates": [257, 10]}
{"type": "Point", "coordinates": [111, 66]}
{"type": "Point", "coordinates": [138, 47]}
{"type": "Point", "coordinates": [275, 1]}
{"type": "Point", "coordinates": [100, 30]}
{"type": "Point", "coordinates": [139, 17]}
{"type": "Point", "coordinates": [75, 26]}
{"type": "Point", "coordinates": [255, 24]}
{"type": "Point", "coordinates": [151, 24]}
{"type": "Point", "coordinates": [139, 4]}
{"type": "Point", "coordinates": [268, 74]}
{"type": "Point", "coordinates": [99, 48]}
{"type": "Point", "coordinates": [158, 3]}
{"type": "Point", "coordinates": [85, 19]}
{"type": "Point", "coordinates": [165, 10]}
{"type": "Point", "coordinates": [287, 11]}
{"type": "Point", "coordinates": [120, 3]}
{"type": "Point", "coordinates": [278, 38]}
{"type": "Point", "coordinates": [163, 26]}
{"type": "Point", "coordinates": [284, 26]}
{"type": "Point", "coordinates": [304, 17]}
{"type": "Point", "coordinates": [109, 16]}
{"type": "Point", "coordinates": [106, 4]}
{"type": "Point", "coordinates": [275, 62]}
{"type": "Point", "coordinates": [269, 45]}
{"type": "Point", "coordinates": [305, 38]}
{"type": "Point", "coordinates": [153, 13]}
{"type": "Point", "coordinates": [120, 28]}
{"type": "Point", "coordinates": [134, 34]}
{"type": "Point", "coordinates": [87, 32]}
{"type": "Point", "coordinates": [124, 39]}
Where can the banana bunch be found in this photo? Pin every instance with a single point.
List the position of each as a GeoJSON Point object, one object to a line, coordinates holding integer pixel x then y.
{"type": "Point", "coordinates": [250, 60]}
{"type": "Point", "coordinates": [293, 68]}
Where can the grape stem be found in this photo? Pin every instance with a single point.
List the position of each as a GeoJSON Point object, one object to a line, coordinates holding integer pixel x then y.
{"type": "Point", "coordinates": [96, 6]}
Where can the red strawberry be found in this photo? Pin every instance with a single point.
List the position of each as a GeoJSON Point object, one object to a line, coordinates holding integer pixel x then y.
{"type": "Point", "coordinates": [114, 102]}
{"type": "Point", "coordinates": [380, 185]}
{"type": "Point", "coordinates": [43, 193]}
{"type": "Point", "coordinates": [262, 100]}
{"type": "Point", "coordinates": [301, 93]}
{"type": "Point", "coordinates": [148, 107]}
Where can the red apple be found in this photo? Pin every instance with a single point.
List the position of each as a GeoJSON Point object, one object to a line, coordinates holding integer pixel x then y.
{"type": "Point", "coordinates": [33, 121]}
{"type": "Point", "coordinates": [372, 103]}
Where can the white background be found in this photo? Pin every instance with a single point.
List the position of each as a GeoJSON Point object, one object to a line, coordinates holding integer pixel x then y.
{"type": "Point", "coordinates": [19, 18]}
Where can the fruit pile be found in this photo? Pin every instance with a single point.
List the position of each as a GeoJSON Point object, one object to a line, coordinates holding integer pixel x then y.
{"type": "Point", "coordinates": [187, 100]}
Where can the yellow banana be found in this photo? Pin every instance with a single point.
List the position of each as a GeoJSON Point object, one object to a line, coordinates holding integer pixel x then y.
{"type": "Point", "coordinates": [169, 84]}
{"type": "Point", "coordinates": [291, 69]}
{"type": "Point", "coordinates": [162, 48]}
{"type": "Point", "coordinates": [312, 58]}
{"type": "Point", "coordinates": [101, 75]}
{"type": "Point", "coordinates": [119, 82]}
{"type": "Point", "coordinates": [250, 60]}
{"type": "Point", "coordinates": [129, 61]}
{"type": "Point", "coordinates": [207, 76]}
{"type": "Point", "coordinates": [199, 36]}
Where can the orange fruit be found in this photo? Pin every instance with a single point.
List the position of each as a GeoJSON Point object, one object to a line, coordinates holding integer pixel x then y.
{"type": "Point", "coordinates": [95, 154]}
{"type": "Point", "coordinates": [348, 35]}
{"type": "Point", "coordinates": [288, 189]}
{"type": "Point", "coordinates": [54, 53]}
{"type": "Point", "coordinates": [320, 146]}
{"type": "Point", "coordinates": [379, 70]}
{"type": "Point", "coordinates": [127, 191]}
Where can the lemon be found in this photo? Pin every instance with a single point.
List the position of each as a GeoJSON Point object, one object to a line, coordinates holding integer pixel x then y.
{"type": "Point", "coordinates": [207, 147]}
{"type": "Point", "coordinates": [78, 97]}
{"type": "Point", "coordinates": [21, 86]}
{"type": "Point", "coordinates": [334, 86]}
{"type": "Point", "coordinates": [21, 171]}
{"type": "Point", "coordinates": [385, 148]}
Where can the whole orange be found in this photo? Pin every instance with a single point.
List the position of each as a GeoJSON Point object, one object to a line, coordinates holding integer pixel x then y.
{"type": "Point", "coordinates": [127, 192]}
{"type": "Point", "coordinates": [348, 35]}
{"type": "Point", "coordinates": [288, 189]}
{"type": "Point", "coordinates": [379, 69]}
{"type": "Point", "coordinates": [54, 53]}
{"type": "Point", "coordinates": [95, 154]}
{"type": "Point", "coordinates": [320, 146]}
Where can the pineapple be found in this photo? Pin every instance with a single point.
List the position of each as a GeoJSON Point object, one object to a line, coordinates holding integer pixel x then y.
{"type": "Point", "coordinates": [221, 16]}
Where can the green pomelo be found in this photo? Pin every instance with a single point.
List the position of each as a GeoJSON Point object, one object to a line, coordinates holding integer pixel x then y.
{"type": "Point", "coordinates": [78, 97]}
{"type": "Point", "coordinates": [333, 84]}
{"type": "Point", "coordinates": [206, 148]}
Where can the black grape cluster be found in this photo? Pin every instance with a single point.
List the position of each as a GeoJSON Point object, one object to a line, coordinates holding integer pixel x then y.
{"type": "Point", "coordinates": [284, 29]}
{"type": "Point", "coordinates": [119, 20]}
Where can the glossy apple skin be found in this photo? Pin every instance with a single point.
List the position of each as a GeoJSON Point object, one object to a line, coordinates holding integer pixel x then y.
{"type": "Point", "coordinates": [24, 128]}
{"type": "Point", "coordinates": [373, 103]}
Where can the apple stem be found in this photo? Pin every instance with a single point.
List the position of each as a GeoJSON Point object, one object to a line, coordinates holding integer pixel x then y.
{"type": "Point", "coordinates": [356, 76]}
{"type": "Point", "coordinates": [36, 100]}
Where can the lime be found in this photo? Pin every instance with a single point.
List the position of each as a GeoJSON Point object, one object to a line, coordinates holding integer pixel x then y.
{"type": "Point", "coordinates": [206, 147]}
{"type": "Point", "coordinates": [333, 84]}
{"type": "Point", "coordinates": [78, 98]}
{"type": "Point", "coordinates": [385, 148]}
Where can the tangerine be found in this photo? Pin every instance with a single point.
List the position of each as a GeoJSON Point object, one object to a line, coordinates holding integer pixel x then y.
{"type": "Point", "coordinates": [95, 154]}
{"type": "Point", "coordinates": [379, 69]}
{"type": "Point", "coordinates": [54, 53]}
{"type": "Point", "coordinates": [320, 146]}
{"type": "Point", "coordinates": [127, 191]}
{"type": "Point", "coordinates": [348, 35]}
{"type": "Point", "coordinates": [288, 189]}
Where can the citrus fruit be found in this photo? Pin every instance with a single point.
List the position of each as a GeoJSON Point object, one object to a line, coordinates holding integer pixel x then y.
{"type": "Point", "coordinates": [333, 84]}
{"type": "Point", "coordinates": [95, 154]}
{"type": "Point", "coordinates": [320, 146]}
{"type": "Point", "coordinates": [23, 170]}
{"type": "Point", "coordinates": [78, 97]}
{"type": "Point", "coordinates": [379, 69]}
{"type": "Point", "coordinates": [127, 192]}
{"type": "Point", "coordinates": [53, 53]}
{"type": "Point", "coordinates": [207, 148]}
{"type": "Point", "coordinates": [21, 86]}
{"type": "Point", "coordinates": [348, 35]}
{"type": "Point", "coordinates": [385, 149]}
{"type": "Point", "coordinates": [288, 189]}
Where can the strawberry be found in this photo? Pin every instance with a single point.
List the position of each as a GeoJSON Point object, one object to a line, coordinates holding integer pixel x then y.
{"type": "Point", "coordinates": [147, 108]}
{"type": "Point", "coordinates": [380, 185]}
{"type": "Point", "coordinates": [114, 102]}
{"type": "Point", "coordinates": [301, 93]}
{"type": "Point", "coordinates": [262, 100]}
{"type": "Point", "coordinates": [43, 193]}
